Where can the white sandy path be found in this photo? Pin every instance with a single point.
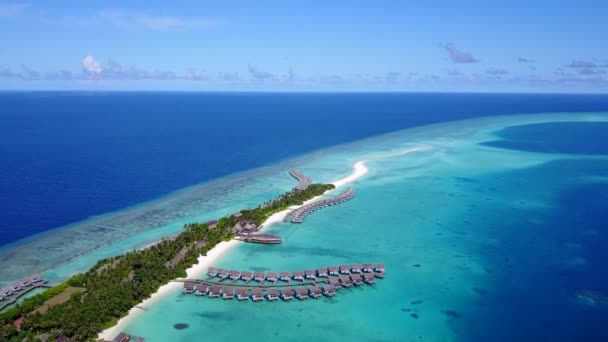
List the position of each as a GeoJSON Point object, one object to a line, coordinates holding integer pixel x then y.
{"type": "Point", "coordinates": [213, 255]}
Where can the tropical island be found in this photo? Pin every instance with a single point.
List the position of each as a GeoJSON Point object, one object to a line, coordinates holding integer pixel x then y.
{"type": "Point", "coordinates": [87, 303]}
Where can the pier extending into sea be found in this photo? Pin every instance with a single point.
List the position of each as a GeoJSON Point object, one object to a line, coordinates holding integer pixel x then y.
{"type": "Point", "coordinates": [301, 285]}
{"type": "Point", "coordinates": [298, 215]}
{"type": "Point", "coordinates": [11, 293]}
{"type": "Point", "coordinates": [303, 181]}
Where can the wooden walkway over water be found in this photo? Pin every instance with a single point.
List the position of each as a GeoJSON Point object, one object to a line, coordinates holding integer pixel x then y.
{"type": "Point", "coordinates": [284, 285]}
{"type": "Point", "coordinates": [298, 215]}
{"type": "Point", "coordinates": [11, 293]}
{"type": "Point", "coordinates": [303, 181]}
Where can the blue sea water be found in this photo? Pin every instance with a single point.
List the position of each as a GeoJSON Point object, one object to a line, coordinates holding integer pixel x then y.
{"type": "Point", "coordinates": [496, 232]}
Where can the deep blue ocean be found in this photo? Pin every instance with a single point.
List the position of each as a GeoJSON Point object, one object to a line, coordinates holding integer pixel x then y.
{"type": "Point", "coordinates": [69, 155]}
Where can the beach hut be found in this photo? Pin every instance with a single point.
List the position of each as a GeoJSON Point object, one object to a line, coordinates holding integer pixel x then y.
{"type": "Point", "coordinates": [214, 291]}
{"type": "Point", "coordinates": [201, 289]}
{"type": "Point", "coordinates": [322, 273]}
{"type": "Point", "coordinates": [242, 294]}
{"type": "Point", "coordinates": [286, 294]}
{"type": "Point", "coordinates": [259, 276]}
{"type": "Point", "coordinates": [310, 274]}
{"type": "Point", "coordinates": [189, 287]}
{"type": "Point", "coordinates": [234, 275]}
{"type": "Point", "coordinates": [222, 273]}
{"type": "Point", "coordinates": [379, 268]}
{"type": "Point", "coordinates": [301, 293]}
{"type": "Point", "coordinates": [335, 283]}
{"type": "Point", "coordinates": [356, 268]}
{"type": "Point", "coordinates": [368, 268]}
{"type": "Point", "coordinates": [314, 292]}
{"type": "Point", "coordinates": [368, 278]}
{"type": "Point", "coordinates": [211, 272]}
{"type": "Point", "coordinates": [333, 271]}
{"type": "Point", "coordinates": [344, 269]}
{"type": "Point", "coordinates": [257, 294]}
{"type": "Point", "coordinates": [212, 224]}
{"type": "Point", "coordinates": [357, 280]}
{"type": "Point", "coordinates": [297, 275]}
{"type": "Point", "coordinates": [272, 294]}
{"type": "Point", "coordinates": [246, 276]}
{"type": "Point", "coordinates": [227, 292]}
{"type": "Point", "coordinates": [271, 276]}
{"type": "Point", "coordinates": [329, 290]}
{"type": "Point", "coordinates": [346, 281]}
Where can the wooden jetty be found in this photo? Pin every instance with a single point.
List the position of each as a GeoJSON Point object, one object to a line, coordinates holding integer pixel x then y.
{"type": "Point", "coordinates": [303, 181]}
{"type": "Point", "coordinates": [301, 285]}
{"type": "Point", "coordinates": [298, 215]}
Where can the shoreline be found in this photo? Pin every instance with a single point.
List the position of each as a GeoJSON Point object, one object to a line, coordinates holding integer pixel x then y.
{"type": "Point", "coordinates": [359, 170]}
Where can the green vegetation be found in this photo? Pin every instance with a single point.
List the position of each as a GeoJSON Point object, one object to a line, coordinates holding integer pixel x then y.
{"type": "Point", "coordinates": [115, 285]}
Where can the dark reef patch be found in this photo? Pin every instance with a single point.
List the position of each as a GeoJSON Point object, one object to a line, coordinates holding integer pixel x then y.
{"type": "Point", "coordinates": [181, 326]}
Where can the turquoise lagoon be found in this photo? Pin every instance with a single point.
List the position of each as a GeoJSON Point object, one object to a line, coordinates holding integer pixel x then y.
{"type": "Point", "coordinates": [470, 235]}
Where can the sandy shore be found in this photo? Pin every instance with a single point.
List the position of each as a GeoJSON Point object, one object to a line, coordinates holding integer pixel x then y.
{"type": "Point", "coordinates": [204, 262]}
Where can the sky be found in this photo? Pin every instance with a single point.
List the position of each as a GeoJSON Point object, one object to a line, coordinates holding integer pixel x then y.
{"type": "Point", "coordinates": [356, 45]}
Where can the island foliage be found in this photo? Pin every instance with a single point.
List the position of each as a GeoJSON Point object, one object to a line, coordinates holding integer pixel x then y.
{"type": "Point", "coordinates": [114, 285]}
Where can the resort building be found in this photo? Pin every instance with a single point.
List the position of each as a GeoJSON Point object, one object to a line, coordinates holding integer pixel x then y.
{"type": "Point", "coordinates": [122, 337]}
{"type": "Point", "coordinates": [285, 276]}
{"type": "Point", "coordinates": [379, 275]}
{"type": "Point", "coordinates": [201, 289]}
{"type": "Point", "coordinates": [246, 276]}
{"type": "Point", "coordinates": [227, 292]}
{"type": "Point", "coordinates": [263, 239]}
{"type": "Point", "coordinates": [368, 278]}
{"type": "Point", "coordinates": [259, 276]}
{"type": "Point", "coordinates": [272, 294]}
{"type": "Point", "coordinates": [314, 292]}
{"type": "Point", "coordinates": [189, 287]}
{"type": "Point", "coordinates": [234, 275]}
{"type": "Point", "coordinates": [333, 271]}
{"type": "Point", "coordinates": [212, 224]}
{"type": "Point", "coordinates": [356, 268]}
{"type": "Point", "coordinates": [298, 275]}
{"type": "Point", "coordinates": [368, 268]}
{"type": "Point", "coordinates": [257, 294]}
{"type": "Point", "coordinates": [271, 276]}
{"type": "Point", "coordinates": [211, 272]}
{"type": "Point", "coordinates": [329, 290]}
{"type": "Point", "coordinates": [379, 268]}
{"type": "Point", "coordinates": [346, 281]}
{"type": "Point", "coordinates": [222, 273]}
{"type": "Point", "coordinates": [357, 279]}
{"type": "Point", "coordinates": [344, 269]}
{"type": "Point", "coordinates": [322, 273]}
{"type": "Point", "coordinates": [286, 294]}
{"type": "Point", "coordinates": [301, 293]}
{"type": "Point", "coordinates": [335, 283]}
{"type": "Point", "coordinates": [242, 294]}
{"type": "Point", "coordinates": [310, 274]}
{"type": "Point", "coordinates": [214, 291]}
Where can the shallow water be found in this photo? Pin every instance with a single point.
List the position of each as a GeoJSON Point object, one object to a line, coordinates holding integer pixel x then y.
{"type": "Point", "coordinates": [479, 243]}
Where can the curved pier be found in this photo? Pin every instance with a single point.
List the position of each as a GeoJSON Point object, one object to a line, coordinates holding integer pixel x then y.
{"type": "Point", "coordinates": [298, 215]}
{"type": "Point", "coordinates": [304, 182]}
{"type": "Point", "coordinates": [285, 285]}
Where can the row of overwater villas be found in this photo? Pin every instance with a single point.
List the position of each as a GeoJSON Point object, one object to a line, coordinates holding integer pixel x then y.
{"type": "Point", "coordinates": [286, 294]}
{"type": "Point", "coordinates": [299, 214]}
{"type": "Point", "coordinates": [325, 272]}
{"type": "Point", "coordinates": [20, 285]}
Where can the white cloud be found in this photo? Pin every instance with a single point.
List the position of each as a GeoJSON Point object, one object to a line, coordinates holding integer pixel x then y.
{"type": "Point", "coordinates": [91, 64]}
{"type": "Point", "coordinates": [153, 22]}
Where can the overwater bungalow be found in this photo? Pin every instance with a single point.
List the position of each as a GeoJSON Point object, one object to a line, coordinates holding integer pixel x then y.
{"type": "Point", "coordinates": [322, 273]}
{"type": "Point", "coordinates": [272, 294]}
{"type": "Point", "coordinates": [368, 268]}
{"type": "Point", "coordinates": [344, 269]}
{"type": "Point", "coordinates": [189, 287]}
{"type": "Point", "coordinates": [379, 275]}
{"type": "Point", "coordinates": [301, 293]}
{"type": "Point", "coordinates": [379, 268]}
{"type": "Point", "coordinates": [298, 275]}
{"type": "Point", "coordinates": [335, 283]}
{"type": "Point", "coordinates": [246, 276]}
{"type": "Point", "coordinates": [310, 274]}
{"type": "Point", "coordinates": [257, 294]}
{"type": "Point", "coordinates": [286, 294]}
{"type": "Point", "coordinates": [314, 292]}
{"type": "Point", "coordinates": [222, 273]}
{"type": "Point", "coordinates": [346, 281]}
{"type": "Point", "coordinates": [201, 289]}
{"type": "Point", "coordinates": [271, 276]}
{"type": "Point", "coordinates": [259, 276]}
{"type": "Point", "coordinates": [357, 279]}
{"type": "Point", "coordinates": [122, 337]}
{"type": "Point", "coordinates": [234, 275]}
{"type": "Point", "coordinates": [356, 268]}
{"type": "Point", "coordinates": [329, 290]}
{"type": "Point", "coordinates": [368, 278]}
{"type": "Point", "coordinates": [285, 276]}
{"type": "Point", "coordinates": [227, 292]}
{"type": "Point", "coordinates": [333, 271]}
{"type": "Point", "coordinates": [215, 291]}
{"type": "Point", "coordinates": [242, 294]}
{"type": "Point", "coordinates": [211, 272]}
